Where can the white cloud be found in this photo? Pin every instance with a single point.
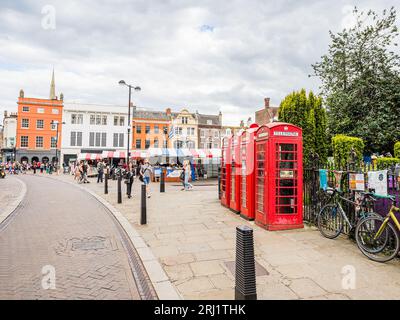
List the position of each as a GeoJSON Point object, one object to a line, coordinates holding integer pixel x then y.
{"type": "Point", "coordinates": [206, 56]}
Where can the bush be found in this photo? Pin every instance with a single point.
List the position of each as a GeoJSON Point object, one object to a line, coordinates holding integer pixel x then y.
{"type": "Point", "coordinates": [397, 150]}
{"type": "Point", "coordinates": [386, 163]}
{"type": "Point", "coordinates": [341, 148]}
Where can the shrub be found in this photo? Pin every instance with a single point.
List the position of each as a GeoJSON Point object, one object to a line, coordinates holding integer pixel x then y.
{"type": "Point", "coordinates": [341, 148]}
{"type": "Point", "coordinates": [397, 150]}
{"type": "Point", "coordinates": [386, 163]}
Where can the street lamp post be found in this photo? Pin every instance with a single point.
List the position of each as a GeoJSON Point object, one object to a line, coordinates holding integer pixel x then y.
{"type": "Point", "coordinates": [56, 123]}
{"type": "Point", "coordinates": [123, 83]}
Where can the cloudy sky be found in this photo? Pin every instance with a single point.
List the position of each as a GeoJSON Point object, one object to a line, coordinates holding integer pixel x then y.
{"type": "Point", "coordinates": [204, 55]}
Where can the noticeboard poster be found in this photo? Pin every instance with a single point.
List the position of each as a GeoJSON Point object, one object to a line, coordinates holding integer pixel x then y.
{"type": "Point", "coordinates": [377, 180]}
{"type": "Point", "coordinates": [357, 182]}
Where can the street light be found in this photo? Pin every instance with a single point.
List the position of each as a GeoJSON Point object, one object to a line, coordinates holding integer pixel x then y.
{"type": "Point", "coordinates": [123, 83]}
{"type": "Point", "coordinates": [56, 123]}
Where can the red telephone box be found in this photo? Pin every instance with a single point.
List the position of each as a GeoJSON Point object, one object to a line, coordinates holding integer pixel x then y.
{"type": "Point", "coordinates": [247, 178]}
{"type": "Point", "coordinates": [279, 176]}
{"type": "Point", "coordinates": [235, 173]}
{"type": "Point", "coordinates": [226, 172]}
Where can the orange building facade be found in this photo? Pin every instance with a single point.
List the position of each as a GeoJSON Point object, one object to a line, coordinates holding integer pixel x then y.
{"type": "Point", "coordinates": [150, 129]}
{"type": "Point", "coordinates": [36, 135]}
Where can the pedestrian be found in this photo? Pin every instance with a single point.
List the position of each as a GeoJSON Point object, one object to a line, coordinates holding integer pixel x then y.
{"type": "Point", "coordinates": [41, 167]}
{"type": "Point", "coordinates": [100, 171]}
{"type": "Point", "coordinates": [85, 168]}
{"type": "Point", "coordinates": [129, 178]}
{"type": "Point", "coordinates": [187, 170]}
{"type": "Point", "coordinates": [34, 167]}
{"type": "Point", "coordinates": [145, 172]}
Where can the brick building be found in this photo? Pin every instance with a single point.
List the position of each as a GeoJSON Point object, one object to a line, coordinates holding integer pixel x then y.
{"type": "Point", "coordinates": [36, 136]}
{"type": "Point", "coordinates": [267, 114]}
{"type": "Point", "coordinates": [209, 130]}
{"type": "Point", "coordinates": [150, 129]}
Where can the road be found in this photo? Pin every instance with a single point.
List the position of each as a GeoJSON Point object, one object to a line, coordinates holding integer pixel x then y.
{"type": "Point", "coordinates": [62, 243]}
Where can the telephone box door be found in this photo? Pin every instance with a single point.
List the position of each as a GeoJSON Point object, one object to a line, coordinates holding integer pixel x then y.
{"type": "Point", "coordinates": [225, 172]}
{"type": "Point", "coordinates": [235, 174]}
{"type": "Point", "coordinates": [260, 181]}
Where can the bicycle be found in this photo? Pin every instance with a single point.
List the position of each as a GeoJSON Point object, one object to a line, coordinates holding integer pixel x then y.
{"type": "Point", "coordinates": [377, 237]}
{"type": "Point", "coordinates": [331, 218]}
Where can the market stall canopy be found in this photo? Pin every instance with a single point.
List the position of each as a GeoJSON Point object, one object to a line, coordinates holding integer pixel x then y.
{"type": "Point", "coordinates": [140, 154]}
{"type": "Point", "coordinates": [90, 156]}
{"type": "Point", "coordinates": [172, 152]}
{"type": "Point", "coordinates": [113, 154]}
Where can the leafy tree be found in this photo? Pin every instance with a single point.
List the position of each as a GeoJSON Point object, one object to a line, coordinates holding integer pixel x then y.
{"type": "Point", "coordinates": [361, 81]}
{"type": "Point", "coordinates": [308, 114]}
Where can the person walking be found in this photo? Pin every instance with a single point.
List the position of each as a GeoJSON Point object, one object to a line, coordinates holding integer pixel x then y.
{"type": "Point", "coordinates": [188, 171]}
{"type": "Point", "coordinates": [100, 170]}
{"type": "Point", "coordinates": [85, 169]}
{"type": "Point", "coordinates": [34, 167]}
{"type": "Point", "coordinates": [145, 172]}
{"type": "Point", "coordinates": [41, 167]}
{"type": "Point", "coordinates": [129, 178]}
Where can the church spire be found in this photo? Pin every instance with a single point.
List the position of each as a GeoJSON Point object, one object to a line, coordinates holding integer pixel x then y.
{"type": "Point", "coordinates": [53, 88]}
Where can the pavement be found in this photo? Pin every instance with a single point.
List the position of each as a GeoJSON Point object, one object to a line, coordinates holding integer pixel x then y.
{"type": "Point", "coordinates": [61, 243]}
{"type": "Point", "coordinates": [13, 190]}
{"type": "Point", "coordinates": [193, 237]}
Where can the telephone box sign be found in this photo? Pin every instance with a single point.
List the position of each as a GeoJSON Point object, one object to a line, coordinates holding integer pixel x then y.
{"type": "Point", "coordinates": [286, 134]}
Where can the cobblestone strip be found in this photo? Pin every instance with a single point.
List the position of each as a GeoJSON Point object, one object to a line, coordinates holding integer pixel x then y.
{"type": "Point", "coordinates": [163, 287]}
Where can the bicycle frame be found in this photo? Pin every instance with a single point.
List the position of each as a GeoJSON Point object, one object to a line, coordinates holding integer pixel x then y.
{"type": "Point", "coordinates": [392, 216]}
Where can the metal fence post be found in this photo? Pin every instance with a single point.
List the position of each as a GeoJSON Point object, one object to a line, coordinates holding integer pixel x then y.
{"type": "Point", "coordinates": [119, 189]}
{"type": "Point", "coordinates": [143, 211]}
{"type": "Point", "coordinates": [106, 183]}
{"type": "Point", "coordinates": [162, 180]}
{"type": "Point", "coordinates": [245, 273]}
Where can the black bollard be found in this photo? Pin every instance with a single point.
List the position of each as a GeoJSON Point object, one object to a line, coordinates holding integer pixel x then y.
{"type": "Point", "coordinates": [219, 183]}
{"type": "Point", "coordinates": [106, 183]}
{"type": "Point", "coordinates": [245, 274]}
{"type": "Point", "coordinates": [162, 180]}
{"type": "Point", "coordinates": [119, 190]}
{"type": "Point", "coordinates": [143, 212]}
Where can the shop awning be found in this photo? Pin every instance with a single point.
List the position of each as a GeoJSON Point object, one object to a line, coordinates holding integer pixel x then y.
{"type": "Point", "coordinates": [90, 156]}
{"type": "Point", "coordinates": [172, 152]}
{"type": "Point", "coordinates": [155, 152]}
{"type": "Point", "coordinates": [139, 154]}
{"type": "Point", "coordinates": [113, 154]}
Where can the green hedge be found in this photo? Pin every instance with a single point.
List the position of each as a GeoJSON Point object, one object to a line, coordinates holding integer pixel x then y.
{"type": "Point", "coordinates": [397, 150]}
{"type": "Point", "coordinates": [341, 148]}
{"type": "Point", "coordinates": [386, 163]}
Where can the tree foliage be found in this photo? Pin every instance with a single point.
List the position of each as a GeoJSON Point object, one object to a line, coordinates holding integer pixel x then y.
{"type": "Point", "coordinates": [361, 82]}
{"type": "Point", "coordinates": [307, 113]}
{"type": "Point", "coordinates": [342, 147]}
{"type": "Point", "coordinates": [397, 149]}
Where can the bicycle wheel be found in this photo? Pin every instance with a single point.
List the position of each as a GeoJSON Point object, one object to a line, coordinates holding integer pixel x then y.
{"type": "Point", "coordinates": [330, 221]}
{"type": "Point", "coordinates": [379, 249]}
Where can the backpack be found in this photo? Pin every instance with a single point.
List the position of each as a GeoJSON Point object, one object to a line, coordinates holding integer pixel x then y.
{"type": "Point", "coordinates": [182, 176]}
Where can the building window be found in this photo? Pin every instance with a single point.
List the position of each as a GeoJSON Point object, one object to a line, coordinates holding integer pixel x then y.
{"type": "Point", "coordinates": [147, 130]}
{"type": "Point", "coordinates": [178, 130]}
{"type": "Point", "coordinates": [24, 141]}
{"type": "Point", "coordinates": [40, 110]}
{"type": "Point", "coordinates": [98, 119]}
{"type": "Point", "coordinates": [98, 137]}
{"type": "Point", "coordinates": [202, 133]}
{"type": "Point", "coordinates": [184, 120]}
{"type": "Point", "coordinates": [78, 118]}
{"type": "Point", "coordinates": [115, 140]}
{"type": "Point", "coordinates": [209, 145]}
{"type": "Point", "coordinates": [55, 111]}
{"type": "Point", "coordinates": [156, 129]}
{"type": "Point", "coordinates": [39, 124]}
{"type": "Point", "coordinates": [121, 121]}
{"type": "Point", "coordinates": [92, 119]}
{"type": "Point", "coordinates": [147, 144]}
{"type": "Point", "coordinates": [216, 133]}
{"type": "Point", "coordinates": [138, 144]}
{"type": "Point", "coordinates": [104, 120]}
{"type": "Point", "coordinates": [121, 140]}
{"type": "Point", "coordinates": [178, 144]}
{"type": "Point", "coordinates": [73, 139]}
{"type": "Point", "coordinates": [165, 144]}
{"type": "Point", "coordinates": [190, 131]}
{"type": "Point", "coordinates": [138, 129]}
{"type": "Point", "coordinates": [79, 139]}
{"type": "Point", "coordinates": [209, 122]}
{"type": "Point", "coordinates": [155, 143]}
{"type": "Point", "coordinates": [39, 142]}
{"type": "Point", "coordinates": [25, 123]}
{"type": "Point", "coordinates": [53, 143]}
{"type": "Point", "coordinates": [25, 109]}
{"type": "Point", "coordinates": [91, 139]}
{"type": "Point", "coordinates": [115, 120]}
{"type": "Point", "coordinates": [103, 139]}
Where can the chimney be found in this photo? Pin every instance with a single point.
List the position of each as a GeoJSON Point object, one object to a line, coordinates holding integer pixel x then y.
{"type": "Point", "coordinates": [168, 111]}
{"type": "Point", "coordinates": [5, 114]}
{"type": "Point", "coordinates": [266, 102]}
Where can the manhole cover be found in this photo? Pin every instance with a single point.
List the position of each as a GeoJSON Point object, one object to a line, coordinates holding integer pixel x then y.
{"type": "Point", "coordinates": [88, 244]}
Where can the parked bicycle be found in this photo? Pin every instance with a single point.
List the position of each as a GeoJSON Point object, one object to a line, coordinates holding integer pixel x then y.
{"type": "Point", "coordinates": [332, 218]}
{"type": "Point", "coordinates": [378, 237]}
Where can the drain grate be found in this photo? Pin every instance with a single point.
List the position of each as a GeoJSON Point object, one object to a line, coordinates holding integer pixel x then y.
{"type": "Point", "coordinates": [96, 243]}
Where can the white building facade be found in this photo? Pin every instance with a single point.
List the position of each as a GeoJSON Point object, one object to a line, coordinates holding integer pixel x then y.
{"type": "Point", "coordinates": [185, 130]}
{"type": "Point", "coordinates": [93, 128]}
{"type": "Point", "coordinates": [9, 136]}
